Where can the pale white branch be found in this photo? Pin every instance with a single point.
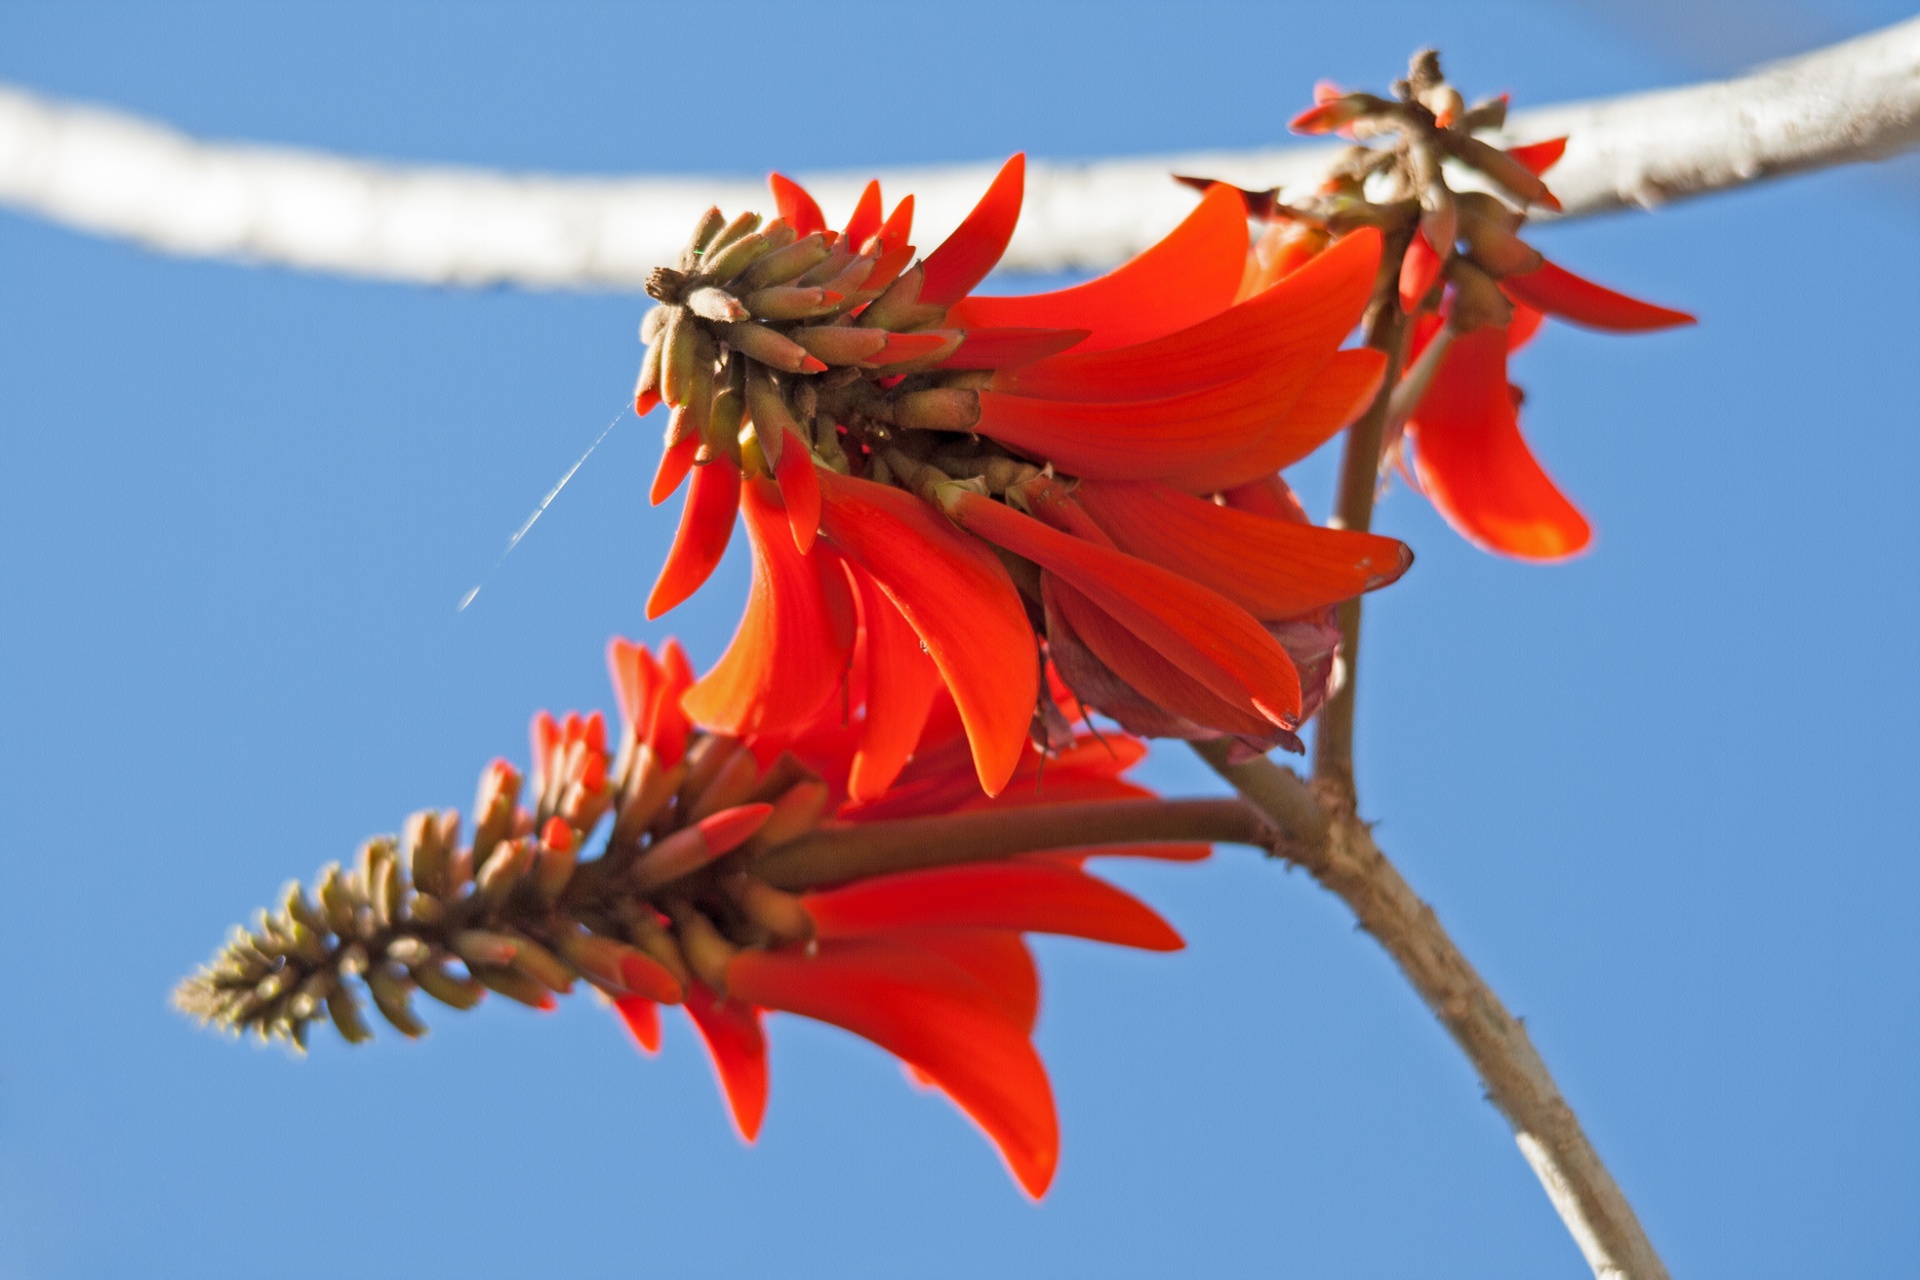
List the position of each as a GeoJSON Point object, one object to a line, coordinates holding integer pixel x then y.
{"type": "Point", "coordinates": [119, 175]}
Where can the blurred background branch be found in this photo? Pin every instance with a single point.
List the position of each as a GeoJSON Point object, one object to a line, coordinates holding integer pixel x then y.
{"type": "Point", "coordinates": [120, 175]}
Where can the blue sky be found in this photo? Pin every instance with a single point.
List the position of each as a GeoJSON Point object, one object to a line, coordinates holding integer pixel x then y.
{"type": "Point", "coordinates": [1661, 795]}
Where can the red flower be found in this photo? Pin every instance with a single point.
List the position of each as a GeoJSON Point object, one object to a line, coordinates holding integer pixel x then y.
{"type": "Point", "coordinates": [973, 469]}
{"type": "Point", "coordinates": [928, 964]}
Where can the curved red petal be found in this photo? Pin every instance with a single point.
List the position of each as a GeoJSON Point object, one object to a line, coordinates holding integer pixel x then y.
{"type": "Point", "coordinates": [636, 677]}
{"type": "Point", "coordinates": [1024, 896]}
{"type": "Point", "coordinates": [866, 216]}
{"type": "Point", "coordinates": [1539, 157]}
{"type": "Point", "coordinates": [965, 257]}
{"type": "Point", "coordinates": [738, 1045]}
{"type": "Point", "coordinates": [1207, 637]}
{"type": "Point", "coordinates": [730, 828]}
{"type": "Point", "coordinates": [1296, 324]}
{"type": "Point", "coordinates": [667, 724]}
{"type": "Point", "coordinates": [931, 1014]}
{"type": "Point", "coordinates": [901, 682]}
{"type": "Point", "coordinates": [996, 959]}
{"type": "Point", "coordinates": [1476, 467]}
{"type": "Point", "coordinates": [800, 490]}
{"type": "Point", "coordinates": [642, 1019]}
{"type": "Point", "coordinates": [706, 526]}
{"type": "Point", "coordinates": [1074, 620]}
{"type": "Point", "coordinates": [1142, 440]}
{"type": "Point", "coordinates": [786, 660]}
{"type": "Point", "coordinates": [1273, 569]}
{"type": "Point", "coordinates": [1191, 274]}
{"type": "Point", "coordinates": [675, 461]}
{"type": "Point", "coordinates": [1419, 269]}
{"type": "Point", "coordinates": [1525, 323]}
{"type": "Point", "coordinates": [796, 206]}
{"type": "Point", "coordinates": [1559, 292]}
{"type": "Point", "coordinates": [1009, 348]}
{"type": "Point", "coordinates": [960, 601]}
{"type": "Point", "coordinates": [897, 229]}
{"type": "Point", "coordinates": [1339, 394]}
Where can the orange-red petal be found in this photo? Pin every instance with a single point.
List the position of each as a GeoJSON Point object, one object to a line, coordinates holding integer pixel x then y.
{"type": "Point", "coordinates": [1296, 324]}
{"type": "Point", "coordinates": [738, 1046]}
{"type": "Point", "coordinates": [897, 229]}
{"type": "Point", "coordinates": [786, 660]}
{"type": "Point", "coordinates": [901, 682]}
{"type": "Point", "coordinates": [1209, 638]}
{"type": "Point", "coordinates": [706, 526]}
{"type": "Point", "coordinates": [1027, 896]}
{"type": "Point", "coordinates": [996, 959]}
{"type": "Point", "coordinates": [931, 1014]}
{"type": "Point", "coordinates": [1191, 274]}
{"type": "Point", "coordinates": [796, 206]}
{"type": "Point", "coordinates": [1419, 269]}
{"type": "Point", "coordinates": [866, 216]}
{"type": "Point", "coordinates": [1539, 157]}
{"type": "Point", "coordinates": [958, 598]}
{"type": "Point", "coordinates": [1476, 467]}
{"type": "Point", "coordinates": [800, 490]}
{"type": "Point", "coordinates": [667, 724]}
{"type": "Point", "coordinates": [965, 257]}
{"type": "Point", "coordinates": [1010, 348]}
{"type": "Point", "coordinates": [1339, 394]}
{"type": "Point", "coordinates": [675, 461]}
{"type": "Point", "coordinates": [1559, 292]}
{"type": "Point", "coordinates": [642, 1019]}
{"type": "Point", "coordinates": [1271, 568]}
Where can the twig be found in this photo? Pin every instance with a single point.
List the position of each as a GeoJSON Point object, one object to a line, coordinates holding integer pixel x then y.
{"type": "Point", "coordinates": [118, 174]}
{"type": "Point", "coordinates": [848, 851]}
{"type": "Point", "coordinates": [1338, 850]}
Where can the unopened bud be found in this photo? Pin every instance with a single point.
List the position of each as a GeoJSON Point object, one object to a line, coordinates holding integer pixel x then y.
{"type": "Point", "coordinates": [335, 900]}
{"type": "Point", "coordinates": [714, 304]}
{"type": "Point", "coordinates": [503, 871]}
{"type": "Point", "coordinates": [704, 232]}
{"type": "Point", "coordinates": [840, 344]}
{"type": "Point", "coordinates": [457, 993]}
{"type": "Point", "coordinates": [742, 224]}
{"type": "Point", "coordinates": [892, 307]}
{"type": "Point", "coordinates": [707, 950]}
{"type": "Point", "coordinates": [542, 965]}
{"type": "Point", "coordinates": [680, 352]}
{"type": "Point", "coordinates": [1478, 302]}
{"type": "Point", "coordinates": [516, 985]}
{"type": "Point", "coordinates": [493, 810]}
{"type": "Point", "coordinates": [345, 1011]}
{"type": "Point", "coordinates": [729, 786]}
{"type": "Point", "coordinates": [1504, 170]}
{"type": "Point", "coordinates": [723, 266]}
{"type": "Point", "coordinates": [390, 996]}
{"type": "Point", "coordinates": [483, 947]}
{"type": "Point", "coordinates": [649, 788]}
{"type": "Point", "coordinates": [783, 266]}
{"type": "Point", "coordinates": [782, 915]}
{"type": "Point", "coordinates": [938, 409]}
{"type": "Point", "coordinates": [771, 348]}
{"type": "Point", "coordinates": [794, 814]}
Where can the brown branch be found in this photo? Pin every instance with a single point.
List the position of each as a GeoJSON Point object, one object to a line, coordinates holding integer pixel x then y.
{"type": "Point", "coordinates": [848, 851]}
{"type": "Point", "coordinates": [1338, 850]}
{"type": "Point", "coordinates": [1359, 481]}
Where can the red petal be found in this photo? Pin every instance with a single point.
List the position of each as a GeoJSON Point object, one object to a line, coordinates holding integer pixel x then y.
{"type": "Point", "coordinates": [675, 461]}
{"type": "Point", "coordinates": [646, 402]}
{"type": "Point", "coordinates": [901, 682]}
{"type": "Point", "coordinates": [1025, 896]}
{"type": "Point", "coordinates": [1139, 665]}
{"type": "Point", "coordinates": [1192, 274]}
{"type": "Point", "coordinates": [730, 828]}
{"type": "Point", "coordinates": [1476, 467]}
{"type": "Point", "coordinates": [1143, 440]}
{"type": "Point", "coordinates": [1210, 639]}
{"type": "Point", "coordinates": [1297, 324]}
{"type": "Point", "coordinates": [931, 1014]}
{"type": "Point", "coordinates": [1539, 157]}
{"type": "Point", "coordinates": [786, 659]}
{"type": "Point", "coordinates": [650, 981]}
{"type": "Point", "coordinates": [1340, 393]}
{"type": "Point", "coordinates": [997, 960]}
{"type": "Point", "coordinates": [964, 258]}
{"type": "Point", "coordinates": [734, 1038]}
{"type": "Point", "coordinates": [1273, 569]}
{"type": "Point", "coordinates": [706, 526]}
{"type": "Point", "coordinates": [1268, 496]}
{"type": "Point", "coordinates": [1559, 292]}
{"type": "Point", "coordinates": [800, 490]}
{"type": "Point", "coordinates": [636, 677]}
{"type": "Point", "coordinates": [643, 1021]}
{"type": "Point", "coordinates": [667, 725]}
{"type": "Point", "coordinates": [897, 229]}
{"type": "Point", "coordinates": [1525, 323]}
{"type": "Point", "coordinates": [959, 599]}
{"type": "Point", "coordinates": [796, 206]}
{"type": "Point", "coordinates": [1419, 268]}
{"type": "Point", "coordinates": [902, 347]}
{"type": "Point", "coordinates": [866, 217]}
{"type": "Point", "coordinates": [1007, 348]}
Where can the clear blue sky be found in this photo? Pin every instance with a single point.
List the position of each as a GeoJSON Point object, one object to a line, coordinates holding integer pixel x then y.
{"type": "Point", "coordinates": [1664, 796]}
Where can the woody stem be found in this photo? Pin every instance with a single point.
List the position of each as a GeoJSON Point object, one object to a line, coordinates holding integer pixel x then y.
{"type": "Point", "coordinates": [1359, 479]}
{"type": "Point", "coordinates": [848, 851]}
{"type": "Point", "coordinates": [1325, 836]}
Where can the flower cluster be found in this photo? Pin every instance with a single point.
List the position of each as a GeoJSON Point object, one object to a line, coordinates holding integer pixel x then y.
{"type": "Point", "coordinates": [1086, 476]}
{"type": "Point", "coordinates": [1475, 290]}
{"type": "Point", "coordinates": [691, 900]}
